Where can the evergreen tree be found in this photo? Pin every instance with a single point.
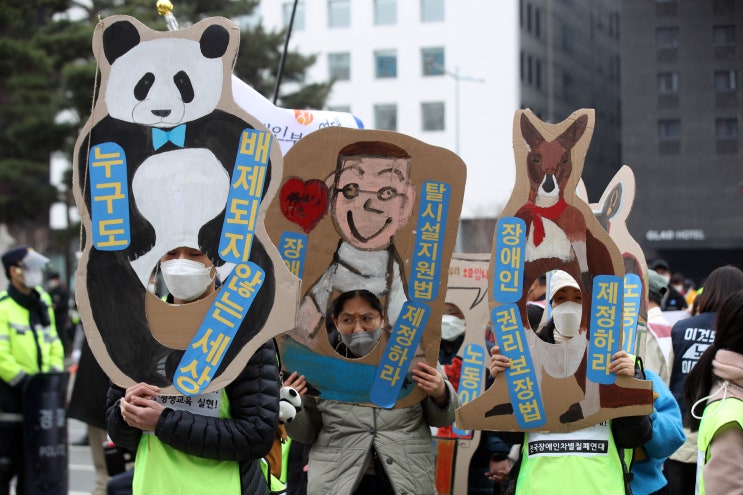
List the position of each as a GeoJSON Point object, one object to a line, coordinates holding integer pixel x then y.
{"type": "Point", "coordinates": [48, 71]}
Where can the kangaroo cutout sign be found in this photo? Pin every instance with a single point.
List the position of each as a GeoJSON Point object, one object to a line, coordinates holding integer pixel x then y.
{"type": "Point", "coordinates": [545, 226]}
{"type": "Point", "coordinates": [612, 211]}
{"type": "Point", "coordinates": [375, 210]}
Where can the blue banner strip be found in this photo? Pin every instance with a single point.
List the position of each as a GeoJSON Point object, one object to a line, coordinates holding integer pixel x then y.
{"type": "Point", "coordinates": [429, 241]}
{"type": "Point", "coordinates": [406, 335]}
{"type": "Point", "coordinates": [471, 378]}
{"type": "Point", "coordinates": [510, 241]}
{"type": "Point", "coordinates": [206, 350]}
{"type": "Point", "coordinates": [605, 335]}
{"type": "Point", "coordinates": [244, 198]}
{"type": "Point", "coordinates": [109, 197]}
{"type": "Point", "coordinates": [293, 249]}
{"type": "Point", "coordinates": [521, 378]}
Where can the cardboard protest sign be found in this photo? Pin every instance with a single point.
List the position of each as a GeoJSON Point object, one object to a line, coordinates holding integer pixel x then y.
{"type": "Point", "coordinates": [468, 290]}
{"type": "Point", "coordinates": [545, 226]}
{"type": "Point", "coordinates": [612, 212]}
{"type": "Point", "coordinates": [167, 160]}
{"type": "Point", "coordinates": [375, 210]}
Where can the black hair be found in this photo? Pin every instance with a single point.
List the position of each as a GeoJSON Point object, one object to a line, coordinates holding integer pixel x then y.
{"type": "Point", "coordinates": [728, 336]}
{"type": "Point", "coordinates": [340, 301]}
{"type": "Point", "coordinates": [722, 282]}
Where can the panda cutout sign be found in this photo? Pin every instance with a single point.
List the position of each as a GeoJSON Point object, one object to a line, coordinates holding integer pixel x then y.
{"type": "Point", "coordinates": [168, 161]}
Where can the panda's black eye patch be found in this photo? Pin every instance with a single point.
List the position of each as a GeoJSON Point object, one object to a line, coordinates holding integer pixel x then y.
{"type": "Point", "coordinates": [183, 83]}
{"type": "Point", "coordinates": [143, 86]}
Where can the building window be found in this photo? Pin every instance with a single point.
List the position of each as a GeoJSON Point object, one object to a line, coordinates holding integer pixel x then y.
{"type": "Point", "coordinates": [667, 37]}
{"type": "Point", "coordinates": [538, 74]}
{"type": "Point", "coordinates": [286, 9]}
{"type": "Point", "coordinates": [528, 17]}
{"type": "Point", "coordinates": [725, 81]}
{"type": "Point", "coordinates": [385, 12]}
{"type": "Point", "coordinates": [432, 10]}
{"type": "Point", "coordinates": [537, 22]}
{"type": "Point", "coordinates": [726, 133]}
{"type": "Point", "coordinates": [339, 66]}
{"type": "Point", "coordinates": [668, 83]}
{"type": "Point", "coordinates": [726, 129]}
{"type": "Point", "coordinates": [529, 71]}
{"type": "Point", "coordinates": [432, 116]}
{"type": "Point", "coordinates": [723, 35]}
{"type": "Point", "coordinates": [669, 129]}
{"type": "Point", "coordinates": [385, 117]}
{"type": "Point", "coordinates": [432, 60]}
{"type": "Point", "coordinates": [385, 63]}
{"type": "Point", "coordinates": [339, 13]}
{"type": "Point", "coordinates": [568, 39]}
{"type": "Point", "coordinates": [568, 86]}
{"type": "Point", "coordinates": [521, 66]}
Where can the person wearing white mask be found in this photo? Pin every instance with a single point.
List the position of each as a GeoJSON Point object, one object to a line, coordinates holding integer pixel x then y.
{"type": "Point", "coordinates": [545, 473]}
{"type": "Point", "coordinates": [29, 344]}
{"type": "Point", "coordinates": [452, 336]}
{"type": "Point", "coordinates": [188, 273]}
{"type": "Point", "coordinates": [364, 449]}
{"type": "Point", "coordinates": [190, 449]}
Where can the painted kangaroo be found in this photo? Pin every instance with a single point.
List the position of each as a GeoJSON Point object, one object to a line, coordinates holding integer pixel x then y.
{"type": "Point", "coordinates": [563, 234]}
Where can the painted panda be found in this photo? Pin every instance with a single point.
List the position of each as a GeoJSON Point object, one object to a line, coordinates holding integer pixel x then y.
{"type": "Point", "coordinates": [177, 190]}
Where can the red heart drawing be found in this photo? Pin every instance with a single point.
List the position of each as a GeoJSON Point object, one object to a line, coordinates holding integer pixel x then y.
{"type": "Point", "coordinates": [304, 202]}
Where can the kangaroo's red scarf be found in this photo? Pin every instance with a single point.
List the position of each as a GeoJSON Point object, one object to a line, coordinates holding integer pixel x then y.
{"type": "Point", "coordinates": [538, 213]}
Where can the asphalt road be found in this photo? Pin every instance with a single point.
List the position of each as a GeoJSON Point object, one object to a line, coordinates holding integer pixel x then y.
{"type": "Point", "coordinates": [82, 473]}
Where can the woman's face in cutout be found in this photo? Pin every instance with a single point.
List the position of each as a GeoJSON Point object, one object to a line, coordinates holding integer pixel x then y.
{"type": "Point", "coordinates": [357, 315]}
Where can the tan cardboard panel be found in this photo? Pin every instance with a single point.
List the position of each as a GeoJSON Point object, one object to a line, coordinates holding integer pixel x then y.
{"type": "Point", "coordinates": [562, 233]}
{"type": "Point", "coordinates": [177, 196]}
{"type": "Point", "coordinates": [361, 235]}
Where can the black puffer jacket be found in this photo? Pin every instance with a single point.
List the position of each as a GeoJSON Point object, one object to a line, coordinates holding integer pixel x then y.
{"type": "Point", "coordinates": [246, 437]}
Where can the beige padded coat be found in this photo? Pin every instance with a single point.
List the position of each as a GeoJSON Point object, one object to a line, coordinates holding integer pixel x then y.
{"type": "Point", "coordinates": [342, 436]}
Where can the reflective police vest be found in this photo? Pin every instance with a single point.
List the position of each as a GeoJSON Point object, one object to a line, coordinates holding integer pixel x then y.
{"type": "Point", "coordinates": [716, 415]}
{"type": "Point", "coordinates": [33, 350]}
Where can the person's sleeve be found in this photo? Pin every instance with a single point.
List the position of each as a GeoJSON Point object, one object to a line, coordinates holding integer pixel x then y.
{"type": "Point", "coordinates": [249, 433]}
{"type": "Point", "coordinates": [307, 423]}
{"type": "Point", "coordinates": [668, 431]}
{"type": "Point", "coordinates": [120, 432]}
{"type": "Point", "coordinates": [10, 371]}
{"type": "Point", "coordinates": [436, 416]}
{"type": "Point", "coordinates": [721, 473]}
{"type": "Point", "coordinates": [630, 432]}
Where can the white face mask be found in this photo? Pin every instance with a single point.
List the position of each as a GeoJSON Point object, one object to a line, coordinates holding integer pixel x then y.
{"type": "Point", "coordinates": [667, 278]}
{"type": "Point", "coordinates": [567, 318]}
{"type": "Point", "coordinates": [361, 343]}
{"type": "Point", "coordinates": [32, 278]}
{"type": "Point", "coordinates": [186, 279]}
{"type": "Point", "coordinates": [451, 327]}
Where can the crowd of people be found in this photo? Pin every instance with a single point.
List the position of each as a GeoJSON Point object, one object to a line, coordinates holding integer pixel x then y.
{"type": "Point", "coordinates": [693, 440]}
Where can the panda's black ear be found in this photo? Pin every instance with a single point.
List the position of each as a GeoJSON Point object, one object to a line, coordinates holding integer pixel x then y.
{"type": "Point", "coordinates": [119, 38]}
{"type": "Point", "coordinates": [214, 41]}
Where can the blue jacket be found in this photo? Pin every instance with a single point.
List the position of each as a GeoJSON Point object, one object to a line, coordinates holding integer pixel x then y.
{"type": "Point", "coordinates": [668, 435]}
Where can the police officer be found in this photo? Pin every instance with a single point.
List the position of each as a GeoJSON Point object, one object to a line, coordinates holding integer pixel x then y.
{"type": "Point", "coordinates": [28, 345]}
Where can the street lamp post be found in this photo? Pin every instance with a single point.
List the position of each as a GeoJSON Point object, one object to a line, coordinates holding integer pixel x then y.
{"type": "Point", "coordinates": [457, 78]}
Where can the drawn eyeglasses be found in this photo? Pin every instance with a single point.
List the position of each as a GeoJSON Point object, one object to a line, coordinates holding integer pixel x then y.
{"type": "Point", "coordinates": [352, 190]}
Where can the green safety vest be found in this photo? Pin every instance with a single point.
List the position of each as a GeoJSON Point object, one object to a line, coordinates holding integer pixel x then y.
{"type": "Point", "coordinates": [277, 485]}
{"type": "Point", "coordinates": [583, 462]}
{"type": "Point", "coordinates": [716, 415]}
{"type": "Point", "coordinates": [161, 469]}
{"type": "Point", "coordinates": [21, 346]}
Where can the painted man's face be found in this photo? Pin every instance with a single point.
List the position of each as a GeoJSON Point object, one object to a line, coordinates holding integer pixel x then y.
{"type": "Point", "coordinates": [373, 198]}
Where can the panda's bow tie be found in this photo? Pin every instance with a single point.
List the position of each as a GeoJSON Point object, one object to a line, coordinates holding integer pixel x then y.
{"type": "Point", "coordinates": [177, 136]}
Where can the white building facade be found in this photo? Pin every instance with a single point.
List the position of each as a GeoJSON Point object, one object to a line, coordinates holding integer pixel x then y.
{"type": "Point", "coordinates": [443, 71]}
